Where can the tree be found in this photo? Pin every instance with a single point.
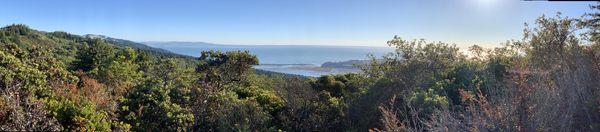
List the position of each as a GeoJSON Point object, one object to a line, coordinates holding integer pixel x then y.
{"type": "Point", "coordinates": [120, 72]}
{"type": "Point", "coordinates": [79, 116]}
{"type": "Point", "coordinates": [176, 75]}
{"type": "Point", "coordinates": [92, 55]}
{"type": "Point", "coordinates": [150, 107]}
{"type": "Point", "coordinates": [339, 85]}
{"type": "Point", "coordinates": [220, 68]}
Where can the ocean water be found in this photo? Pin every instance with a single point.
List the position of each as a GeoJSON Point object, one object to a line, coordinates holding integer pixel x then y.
{"type": "Point", "coordinates": [292, 59]}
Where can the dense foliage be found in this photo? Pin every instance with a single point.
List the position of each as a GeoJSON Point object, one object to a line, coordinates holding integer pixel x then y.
{"type": "Point", "coordinates": [547, 81]}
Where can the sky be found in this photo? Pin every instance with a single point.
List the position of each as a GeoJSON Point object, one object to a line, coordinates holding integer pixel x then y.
{"type": "Point", "coordinates": [289, 22]}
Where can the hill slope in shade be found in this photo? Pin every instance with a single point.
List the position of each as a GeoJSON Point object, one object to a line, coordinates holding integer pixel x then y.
{"type": "Point", "coordinates": [123, 43]}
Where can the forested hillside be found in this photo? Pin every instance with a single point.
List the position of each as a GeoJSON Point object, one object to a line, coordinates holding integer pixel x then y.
{"type": "Point", "coordinates": [549, 80]}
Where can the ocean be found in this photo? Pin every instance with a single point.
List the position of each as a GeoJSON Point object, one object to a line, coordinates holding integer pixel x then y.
{"type": "Point", "coordinates": [291, 59]}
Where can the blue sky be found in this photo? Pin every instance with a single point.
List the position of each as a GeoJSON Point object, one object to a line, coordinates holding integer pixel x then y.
{"type": "Point", "coordinates": [323, 22]}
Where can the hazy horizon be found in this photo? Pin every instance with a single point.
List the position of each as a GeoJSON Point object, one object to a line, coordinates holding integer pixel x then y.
{"type": "Point", "coordinates": [230, 44]}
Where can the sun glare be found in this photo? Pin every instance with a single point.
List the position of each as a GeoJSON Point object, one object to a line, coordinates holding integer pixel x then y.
{"type": "Point", "coordinates": [486, 1]}
{"type": "Point", "coordinates": [485, 5]}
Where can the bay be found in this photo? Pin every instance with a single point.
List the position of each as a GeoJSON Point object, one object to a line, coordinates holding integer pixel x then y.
{"type": "Point", "coordinates": [290, 59]}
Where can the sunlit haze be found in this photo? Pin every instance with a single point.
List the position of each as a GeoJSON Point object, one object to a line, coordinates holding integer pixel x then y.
{"type": "Point", "coordinates": [275, 22]}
